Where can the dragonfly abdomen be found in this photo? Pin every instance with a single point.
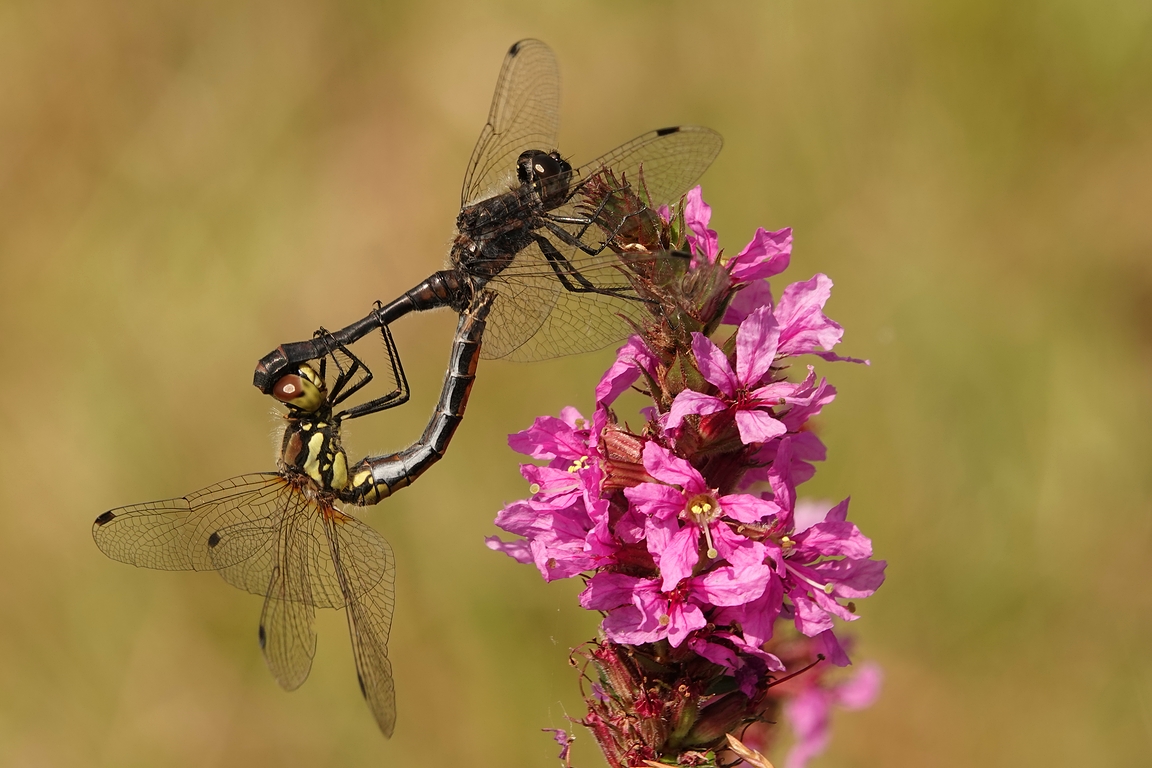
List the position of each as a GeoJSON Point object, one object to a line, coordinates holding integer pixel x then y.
{"type": "Point", "coordinates": [374, 479]}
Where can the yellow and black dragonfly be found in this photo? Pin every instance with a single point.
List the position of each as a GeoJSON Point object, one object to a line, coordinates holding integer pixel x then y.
{"type": "Point", "coordinates": [284, 535]}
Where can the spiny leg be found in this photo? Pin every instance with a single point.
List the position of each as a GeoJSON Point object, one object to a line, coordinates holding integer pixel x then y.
{"type": "Point", "coordinates": [396, 397]}
{"type": "Point", "coordinates": [561, 265]}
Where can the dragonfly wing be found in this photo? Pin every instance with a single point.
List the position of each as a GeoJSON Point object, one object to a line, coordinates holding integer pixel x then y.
{"type": "Point", "coordinates": [287, 634]}
{"type": "Point", "coordinates": [183, 534]}
{"type": "Point", "coordinates": [525, 114]}
{"type": "Point", "coordinates": [525, 297]}
{"type": "Point", "coordinates": [366, 570]}
{"type": "Point", "coordinates": [672, 160]}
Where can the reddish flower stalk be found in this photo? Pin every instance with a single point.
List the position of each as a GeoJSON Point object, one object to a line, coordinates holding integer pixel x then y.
{"type": "Point", "coordinates": [688, 532]}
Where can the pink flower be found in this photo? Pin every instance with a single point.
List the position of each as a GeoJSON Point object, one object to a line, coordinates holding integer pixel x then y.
{"type": "Point", "coordinates": [814, 581]}
{"type": "Point", "coordinates": [565, 522]}
{"type": "Point", "coordinates": [640, 612]}
{"type": "Point", "coordinates": [766, 255]}
{"type": "Point", "coordinates": [751, 404]}
{"type": "Point", "coordinates": [689, 535]}
{"type": "Point", "coordinates": [675, 519]}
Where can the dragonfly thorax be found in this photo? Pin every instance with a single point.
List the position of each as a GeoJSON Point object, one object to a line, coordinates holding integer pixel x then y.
{"type": "Point", "coordinates": [311, 448]}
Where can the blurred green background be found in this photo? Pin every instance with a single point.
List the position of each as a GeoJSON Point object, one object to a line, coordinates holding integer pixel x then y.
{"type": "Point", "coordinates": [185, 185]}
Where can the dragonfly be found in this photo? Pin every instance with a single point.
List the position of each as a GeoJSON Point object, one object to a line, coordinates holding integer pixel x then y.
{"type": "Point", "coordinates": [532, 234]}
{"type": "Point", "coordinates": [284, 535]}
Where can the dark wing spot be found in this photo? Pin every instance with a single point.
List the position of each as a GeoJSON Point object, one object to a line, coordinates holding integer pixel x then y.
{"type": "Point", "coordinates": [104, 518]}
{"type": "Point", "coordinates": [360, 679]}
{"type": "Point", "coordinates": [515, 49]}
{"type": "Point", "coordinates": [666, 131]}
{"type": "Point", "coordinates": [214, 539]}
{"type": "Point", "coordinates": [263, 636]}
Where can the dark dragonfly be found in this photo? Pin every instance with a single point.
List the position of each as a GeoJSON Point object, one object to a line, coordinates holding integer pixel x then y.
{"type": "Point", "coordinates": [283, 534]}
{"type": "Point", "coordinates": [532, 234]}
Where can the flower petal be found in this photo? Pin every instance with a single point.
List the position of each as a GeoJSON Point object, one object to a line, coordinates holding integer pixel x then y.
{"type": "Point", "coordinates": [729, 586]}
{"type": "Point", "coordinates": [551, 438]}
{"type": "Point", "coordinates": [656, 500]}
{"type": "Point", "coordinates": [607, 590]}
{"type": "Point", "coordinates": [746, 508]}
{"type": "Point", "coordinates": [833, 539]}
{"type": "Point", "coordinates": [631, 360]}
{"type": "Point", "coordinates": [630, 626]}
{"type": "Point", "coordinates": [713, 364]}
{"type": "Point", "coordinates": [518, 550]}
{"type": "Point", "coordinates": [757, 426]}
{"type": "Point", "coordinates": [768, 254]}
{"type": "Point", "coordinates": [860, 690]}
{"type": "Point", "coordinates": [663, 465]}
{"type": "Point", "coordinates": [689, 402]}
{"type": "Point", "coordinates": [803, 325]}
{"type": "Point", "coordinates": [697, 214]}
{"type": "Point", "coordinates": [756, 341]}
{"type": "Point", "coordinates": [810, 619]}
{"type": "Point", "coordinates": [675, 549]}
{"type": "Point", "coordinates": [748, 299]}
{"type": "Point", "coordinates": [683, 619]}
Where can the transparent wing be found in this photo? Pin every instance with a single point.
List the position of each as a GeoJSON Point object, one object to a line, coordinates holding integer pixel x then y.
{"type": "Point", "coordinates": [672, 160]}
{"type": "Point", "coordinates": [287, 634]}
{"type": "Point", "coordinates": [525, 114]}
{"type": "Point", "coordinates": [366, 570]}
{"type": "Point", "coordinates": [536, 317]}
{"type": "Point", "coordinates": [302, 577]}
{"type": "Point", "coordinates": [181, 534]}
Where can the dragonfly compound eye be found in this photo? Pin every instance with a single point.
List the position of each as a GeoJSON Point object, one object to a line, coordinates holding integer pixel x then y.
{"type": "Point", "coordinates": [546, 166]}
{"type": "Point", "coordinates": [298, 392]}
{"type": "Point", "coordinates": [536, 166]}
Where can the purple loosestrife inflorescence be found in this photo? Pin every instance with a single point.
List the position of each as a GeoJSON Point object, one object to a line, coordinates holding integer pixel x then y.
{"type": "Point", "coordinates": [714, 584]}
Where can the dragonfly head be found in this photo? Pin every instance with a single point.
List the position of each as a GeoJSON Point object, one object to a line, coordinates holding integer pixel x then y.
{"type": "Point", "coordinates": [547, 171]}
{"type": "Point", "coordinates": [302, 391]}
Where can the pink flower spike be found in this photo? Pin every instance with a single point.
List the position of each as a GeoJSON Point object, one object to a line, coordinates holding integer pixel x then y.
{"type": "Point", "coordinates": [683, 524]}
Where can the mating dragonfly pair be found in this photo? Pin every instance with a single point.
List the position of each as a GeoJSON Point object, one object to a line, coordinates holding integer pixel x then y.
{"type": "Point", "coordinates": [532, 274]}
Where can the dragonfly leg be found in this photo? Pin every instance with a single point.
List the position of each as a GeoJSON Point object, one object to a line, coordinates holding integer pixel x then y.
{"type": "Point", "coordinates": [566, 272]}
{"type": "Point", "coordinates": [346, 370]}
{"type": "Point", "coordinates": [397, 396]}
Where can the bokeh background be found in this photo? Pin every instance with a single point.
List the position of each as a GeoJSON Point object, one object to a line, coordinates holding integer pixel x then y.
{"type": "Point", "coordinates": [184, 185]}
